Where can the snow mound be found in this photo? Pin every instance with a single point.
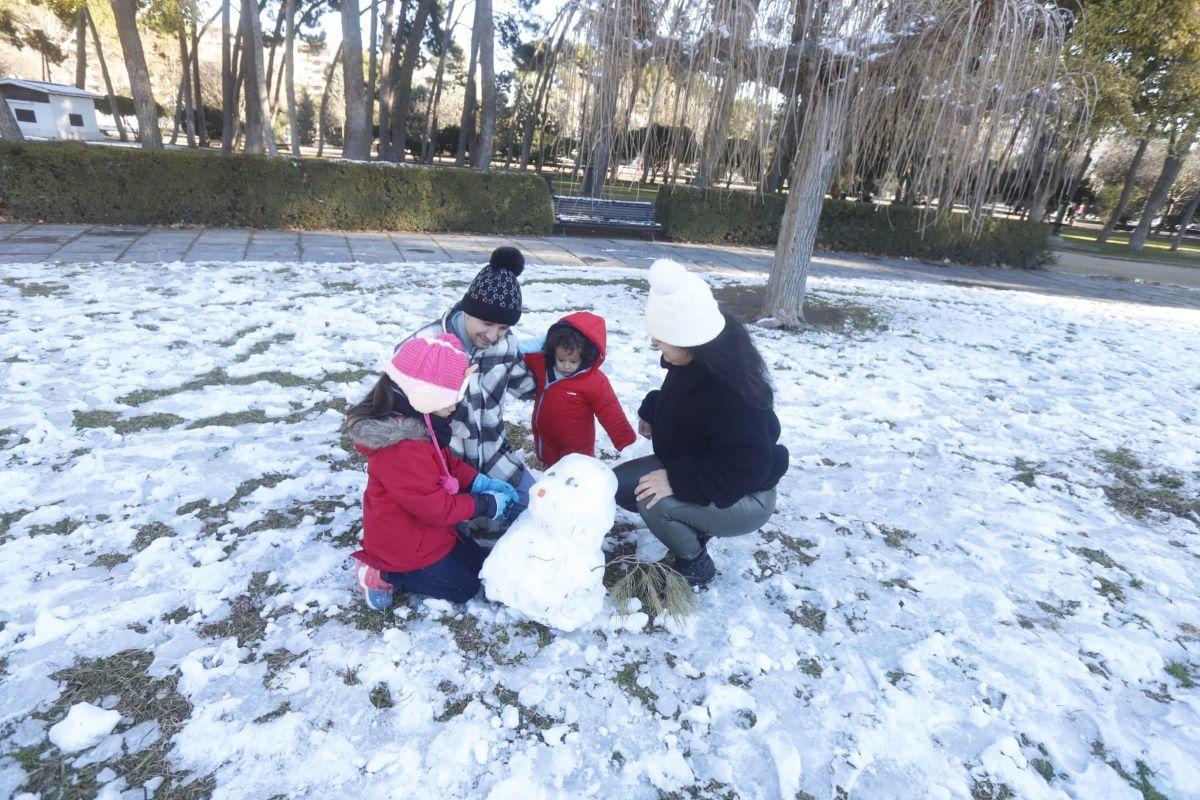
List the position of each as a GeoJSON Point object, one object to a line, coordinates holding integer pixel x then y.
{"type": "Point", "coordinates": [83, 727]}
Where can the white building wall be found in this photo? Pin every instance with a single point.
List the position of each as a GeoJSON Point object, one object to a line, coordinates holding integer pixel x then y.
{"type": "Point", "coordinates": [53, 119]}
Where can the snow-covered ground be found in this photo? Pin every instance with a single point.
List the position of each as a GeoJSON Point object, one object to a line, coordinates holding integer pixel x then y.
{"type": "Point", "coordinates": [981, 581]}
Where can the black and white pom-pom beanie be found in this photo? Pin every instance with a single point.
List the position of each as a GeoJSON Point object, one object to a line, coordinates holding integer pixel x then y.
{"type": "Point", "coordinates": [495, 295]}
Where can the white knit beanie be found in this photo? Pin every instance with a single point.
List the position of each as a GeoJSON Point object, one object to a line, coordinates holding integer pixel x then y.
{"type": "Point", "coordinates": [681, 309]}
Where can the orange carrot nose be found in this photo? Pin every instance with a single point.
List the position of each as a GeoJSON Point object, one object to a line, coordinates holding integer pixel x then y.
{"type": "Point", "coordinates": [541, 492]}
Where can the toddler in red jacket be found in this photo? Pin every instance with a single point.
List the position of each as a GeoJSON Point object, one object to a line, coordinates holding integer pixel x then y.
{"type": "Point", "coordinates": [417, 490]}
{"type": "Point", "coordinates": [572, 392]}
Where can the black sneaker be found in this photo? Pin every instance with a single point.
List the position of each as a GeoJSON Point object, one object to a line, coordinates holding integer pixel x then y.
{"type": "Point", "coordinates": [696, 571]}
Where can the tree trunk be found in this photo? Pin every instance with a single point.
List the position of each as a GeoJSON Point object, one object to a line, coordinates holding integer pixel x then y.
{"type": "Point", "coordinates": [227, 99]}
{"type": "Point", "coordinates": [466, 126]}
{"type": "Point", "coordinates": [325, 101]}
{"type": "Point", "coordinates": [1076, 180]}
{"type": "Point", "coordinates": [387, 74]}
{"type": "Point", "coordinates": [80, 48]}
{"type": "Point", "coordinates": [482, 156]}
{"type": "Point", "coordinates": [139, 76]}
{"type": "Point", "coordinates": [10, 131]}
{"type": "Point", "coordinates": [289, 76]}
{"type": "Point", "coordinates": [817, 156]}
{"type": "Point", "coordinates": [715, 132]}
{"type": "Point", "coordinates": [197, 86]}
{"type": "Point", "coordinates": [1188, 213]}
{"type": "Point", "coordinates": [259, 135]}
{"type": "Point", "coordinates": [108, 87]}
{"type": "Point", "coordinates": [622, 137]}
{"type": "Point", "coordinates": [428, 145]}
{"type": "Point", "coordinates": [189, 108]}
{"type": "Point", "coordinates": [372, 74]}
{"type": "Point", "coordinates": [403, 86]}
{"type": "Point", "coordinates": [358, 140]}
{"type": "Point", "coordinates": [272, 75]}
{"type": "Point", "coordinates": [1176, 155]}
{"type": "Point", "coordinates": [1126, 190]}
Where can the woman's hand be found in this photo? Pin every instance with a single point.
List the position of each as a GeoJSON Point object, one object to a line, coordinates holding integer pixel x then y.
{"type": "Point", "coordinates": [645, 428]}
{"type": "Point", "coordinates": [653, 487]}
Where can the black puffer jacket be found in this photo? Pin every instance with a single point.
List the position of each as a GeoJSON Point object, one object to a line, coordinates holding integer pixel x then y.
{"type": "Point", "coordinates": [716, 447]}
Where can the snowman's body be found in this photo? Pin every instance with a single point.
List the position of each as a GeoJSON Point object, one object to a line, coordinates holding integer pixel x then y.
{"type": "Point", "coordinates": [550, 564]}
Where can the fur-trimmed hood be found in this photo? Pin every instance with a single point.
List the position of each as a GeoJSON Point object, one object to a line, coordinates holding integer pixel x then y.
{"type": "Point", "coordinates": [376, 434]}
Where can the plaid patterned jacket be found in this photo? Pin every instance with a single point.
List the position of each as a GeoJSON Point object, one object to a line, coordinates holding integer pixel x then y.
{"type": "Point", "coordinates": [477, 427]}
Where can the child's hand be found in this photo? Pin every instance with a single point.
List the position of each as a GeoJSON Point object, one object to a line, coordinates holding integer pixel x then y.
{"type": "Point", "coordinates": [502, 502]}
{"type": "Point", "coordinates": [645, 428]}
{"type": "Point", "coordinates": [483, 483]}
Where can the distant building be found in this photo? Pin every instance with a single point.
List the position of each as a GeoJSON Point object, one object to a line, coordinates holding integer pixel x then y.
{"type": "Point", "coordinates": [52, 110]}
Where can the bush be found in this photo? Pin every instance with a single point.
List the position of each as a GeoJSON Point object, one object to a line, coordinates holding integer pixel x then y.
{"type": "Point", "coordinates": [732, 217]}
{"type": "Point", "coordinates": [71, 182]}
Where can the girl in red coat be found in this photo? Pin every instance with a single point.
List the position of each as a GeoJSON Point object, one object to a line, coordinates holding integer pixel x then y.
{"type": "Point", "coordinates": [417, 490]}
{"type": "Point", "coordinates": [572, 392]}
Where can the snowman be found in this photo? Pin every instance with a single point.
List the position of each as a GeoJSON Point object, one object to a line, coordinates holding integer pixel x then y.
{"type": "Point", "coordinates": [549, 566]}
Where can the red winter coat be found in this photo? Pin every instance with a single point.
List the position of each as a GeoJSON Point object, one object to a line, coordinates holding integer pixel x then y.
{"type": "Point", "coordinates": [408, 518]}
{"type": "Point", "coordinates": [564, 412]}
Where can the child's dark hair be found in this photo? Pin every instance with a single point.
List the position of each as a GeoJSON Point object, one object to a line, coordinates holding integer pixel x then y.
{"type": "Point", "coordinates": [384, 399]}
{"type": "Point", "coordinates": [570, 339]}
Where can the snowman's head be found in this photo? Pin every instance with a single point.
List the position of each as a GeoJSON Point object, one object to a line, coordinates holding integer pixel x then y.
{"type": "Point", "coordinates": [577, 492]}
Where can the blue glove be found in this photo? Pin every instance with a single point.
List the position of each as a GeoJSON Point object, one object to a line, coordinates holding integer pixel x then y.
{"type": "Point", "coordinates": [502, 502]}
{"type": "Point", "coordinates": [483, 483]}
{"type": "Point", "coordinates": [530, 344]}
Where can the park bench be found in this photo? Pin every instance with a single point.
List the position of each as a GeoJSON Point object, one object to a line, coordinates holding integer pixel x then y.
{"type": "Point", "coordinates": [593, 215]}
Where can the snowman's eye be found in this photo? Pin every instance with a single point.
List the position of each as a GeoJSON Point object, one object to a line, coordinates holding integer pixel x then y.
{"type": "Point", "coordinates": [572, 482]}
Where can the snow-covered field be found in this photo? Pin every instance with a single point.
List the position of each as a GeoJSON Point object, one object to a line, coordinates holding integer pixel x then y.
{"type": "Point", "coordinates": [981, 581]}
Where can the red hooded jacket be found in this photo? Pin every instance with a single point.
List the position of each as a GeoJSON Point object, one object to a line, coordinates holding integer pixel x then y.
{"type": "Point", "coordinates": [564, 412]}
{"type": "Point", "coordinates": [408, 518]}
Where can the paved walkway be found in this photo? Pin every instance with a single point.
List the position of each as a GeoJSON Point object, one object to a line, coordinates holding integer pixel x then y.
{"type": "Point", "coordinates": [74, 243]}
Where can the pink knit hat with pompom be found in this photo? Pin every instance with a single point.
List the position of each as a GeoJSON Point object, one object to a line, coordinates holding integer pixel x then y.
{"type": "Point", "coordinates": [431, 371]}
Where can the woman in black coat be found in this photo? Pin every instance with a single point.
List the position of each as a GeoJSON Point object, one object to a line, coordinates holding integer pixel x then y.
{"type": "Point", "coordinates": [716, 453]}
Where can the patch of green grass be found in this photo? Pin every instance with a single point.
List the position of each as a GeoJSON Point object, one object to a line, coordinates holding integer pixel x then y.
{"type": "Point", "coordinates": [1110, 590]}
{"type": "Point", "coordinates": [245, 621]}
{"type": "Point", "coordinates": [529, 718]}
{"type": "Point", "coordinates": [260, 347]}
{"type": "Point", "coordinates": [986, 789]}
{"type": "Point", "coordinates": [148, 533]}
{"type": "Point", "coordinates": [215, 377]}
{"type": "Point", "coordinates": [63, 527]}
{"type": "Point", "coordinates": [809, 616]}
{"type": "Point", "coordinates": [1026, 471]}
{"type": "Point", "coordinates": [811, 667]}
{"type": "Point", "coordinates": [1139, 490]}
{"type": "Point", "coordinates": [1061, 610]}
{"type": "Point", "coordinates": [140, 698]}
{"type": "Point", "coordinates": [10, 518]}
{"type": "Point", "coordinates": [109, 560]}
{"type": "Point", "coordinates": [796, 547]}
{"type": "Point", "coordinates": [1098, 557]}
{"type": "Point", "coordinates": [896, 537]}
{"type": "Point", "coordinates": [34, 289]}
{"type": "Point", "coordinates": [278, 712]}
{"type": "Point", "coordinates": [231, 419]}
{"type": "Point", "coordinates": [1157, 249]}
{"type": "Point", "coordinates": [1180, 672]}
{"type": "Point", "coordinates": [124, 425]}
{"type": "Point", "coordinates": [626, 679]}
{"type": "Point", "coordinates": [637, 284]}
{"type": "Point", "coordinates": [381, 696]}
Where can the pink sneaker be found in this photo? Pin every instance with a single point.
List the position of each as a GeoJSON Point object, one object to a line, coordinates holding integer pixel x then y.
{"type": "Point", "coordinates": [376, 591]}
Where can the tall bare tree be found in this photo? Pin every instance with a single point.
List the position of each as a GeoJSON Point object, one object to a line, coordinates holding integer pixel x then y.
{"type": "Point", "coordinates": [139, 75]}
{"type": "Point", "coordinates": [482, 156]}
{"type": "Point", "coordinates": [402, 85]}
{"type": "Point", "coordinates": [113, 106]}
{"type": "Point", "coordinates": [289, 75]}
{"type": "Point", "coordinates": [428, 141]}
{"type": "Point", "coordinates": [1177, 152]}
{"type": "Point", "coordinates": [358, 135]}
{"type": "Point", "coordinates": [227, 79]}
{"type": "Point", "coordinates": [80, 47]}
{"type": "Point", "coordinates": [260, 138]}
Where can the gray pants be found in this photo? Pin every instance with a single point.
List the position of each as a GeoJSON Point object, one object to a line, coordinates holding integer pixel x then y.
{"type": "Point", "coordinates": [681, 525]}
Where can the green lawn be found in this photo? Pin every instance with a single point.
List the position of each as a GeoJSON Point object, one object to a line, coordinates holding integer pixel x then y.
{"type": "Point", "coordinates": [1157, 249]}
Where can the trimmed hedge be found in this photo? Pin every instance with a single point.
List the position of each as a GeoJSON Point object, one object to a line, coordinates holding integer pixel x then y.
{"type": "Point", "coordinates": [71, 182]}
{"type": "Point", "coordinates": [731, 217]}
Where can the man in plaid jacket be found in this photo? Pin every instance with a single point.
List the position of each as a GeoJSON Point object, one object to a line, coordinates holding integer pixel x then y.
{"type": "Point", "coordinates": [481, 321]}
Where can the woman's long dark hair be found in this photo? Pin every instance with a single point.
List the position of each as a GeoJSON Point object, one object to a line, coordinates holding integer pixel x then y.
{"type": "Point", "coordinates": [733, 359]}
